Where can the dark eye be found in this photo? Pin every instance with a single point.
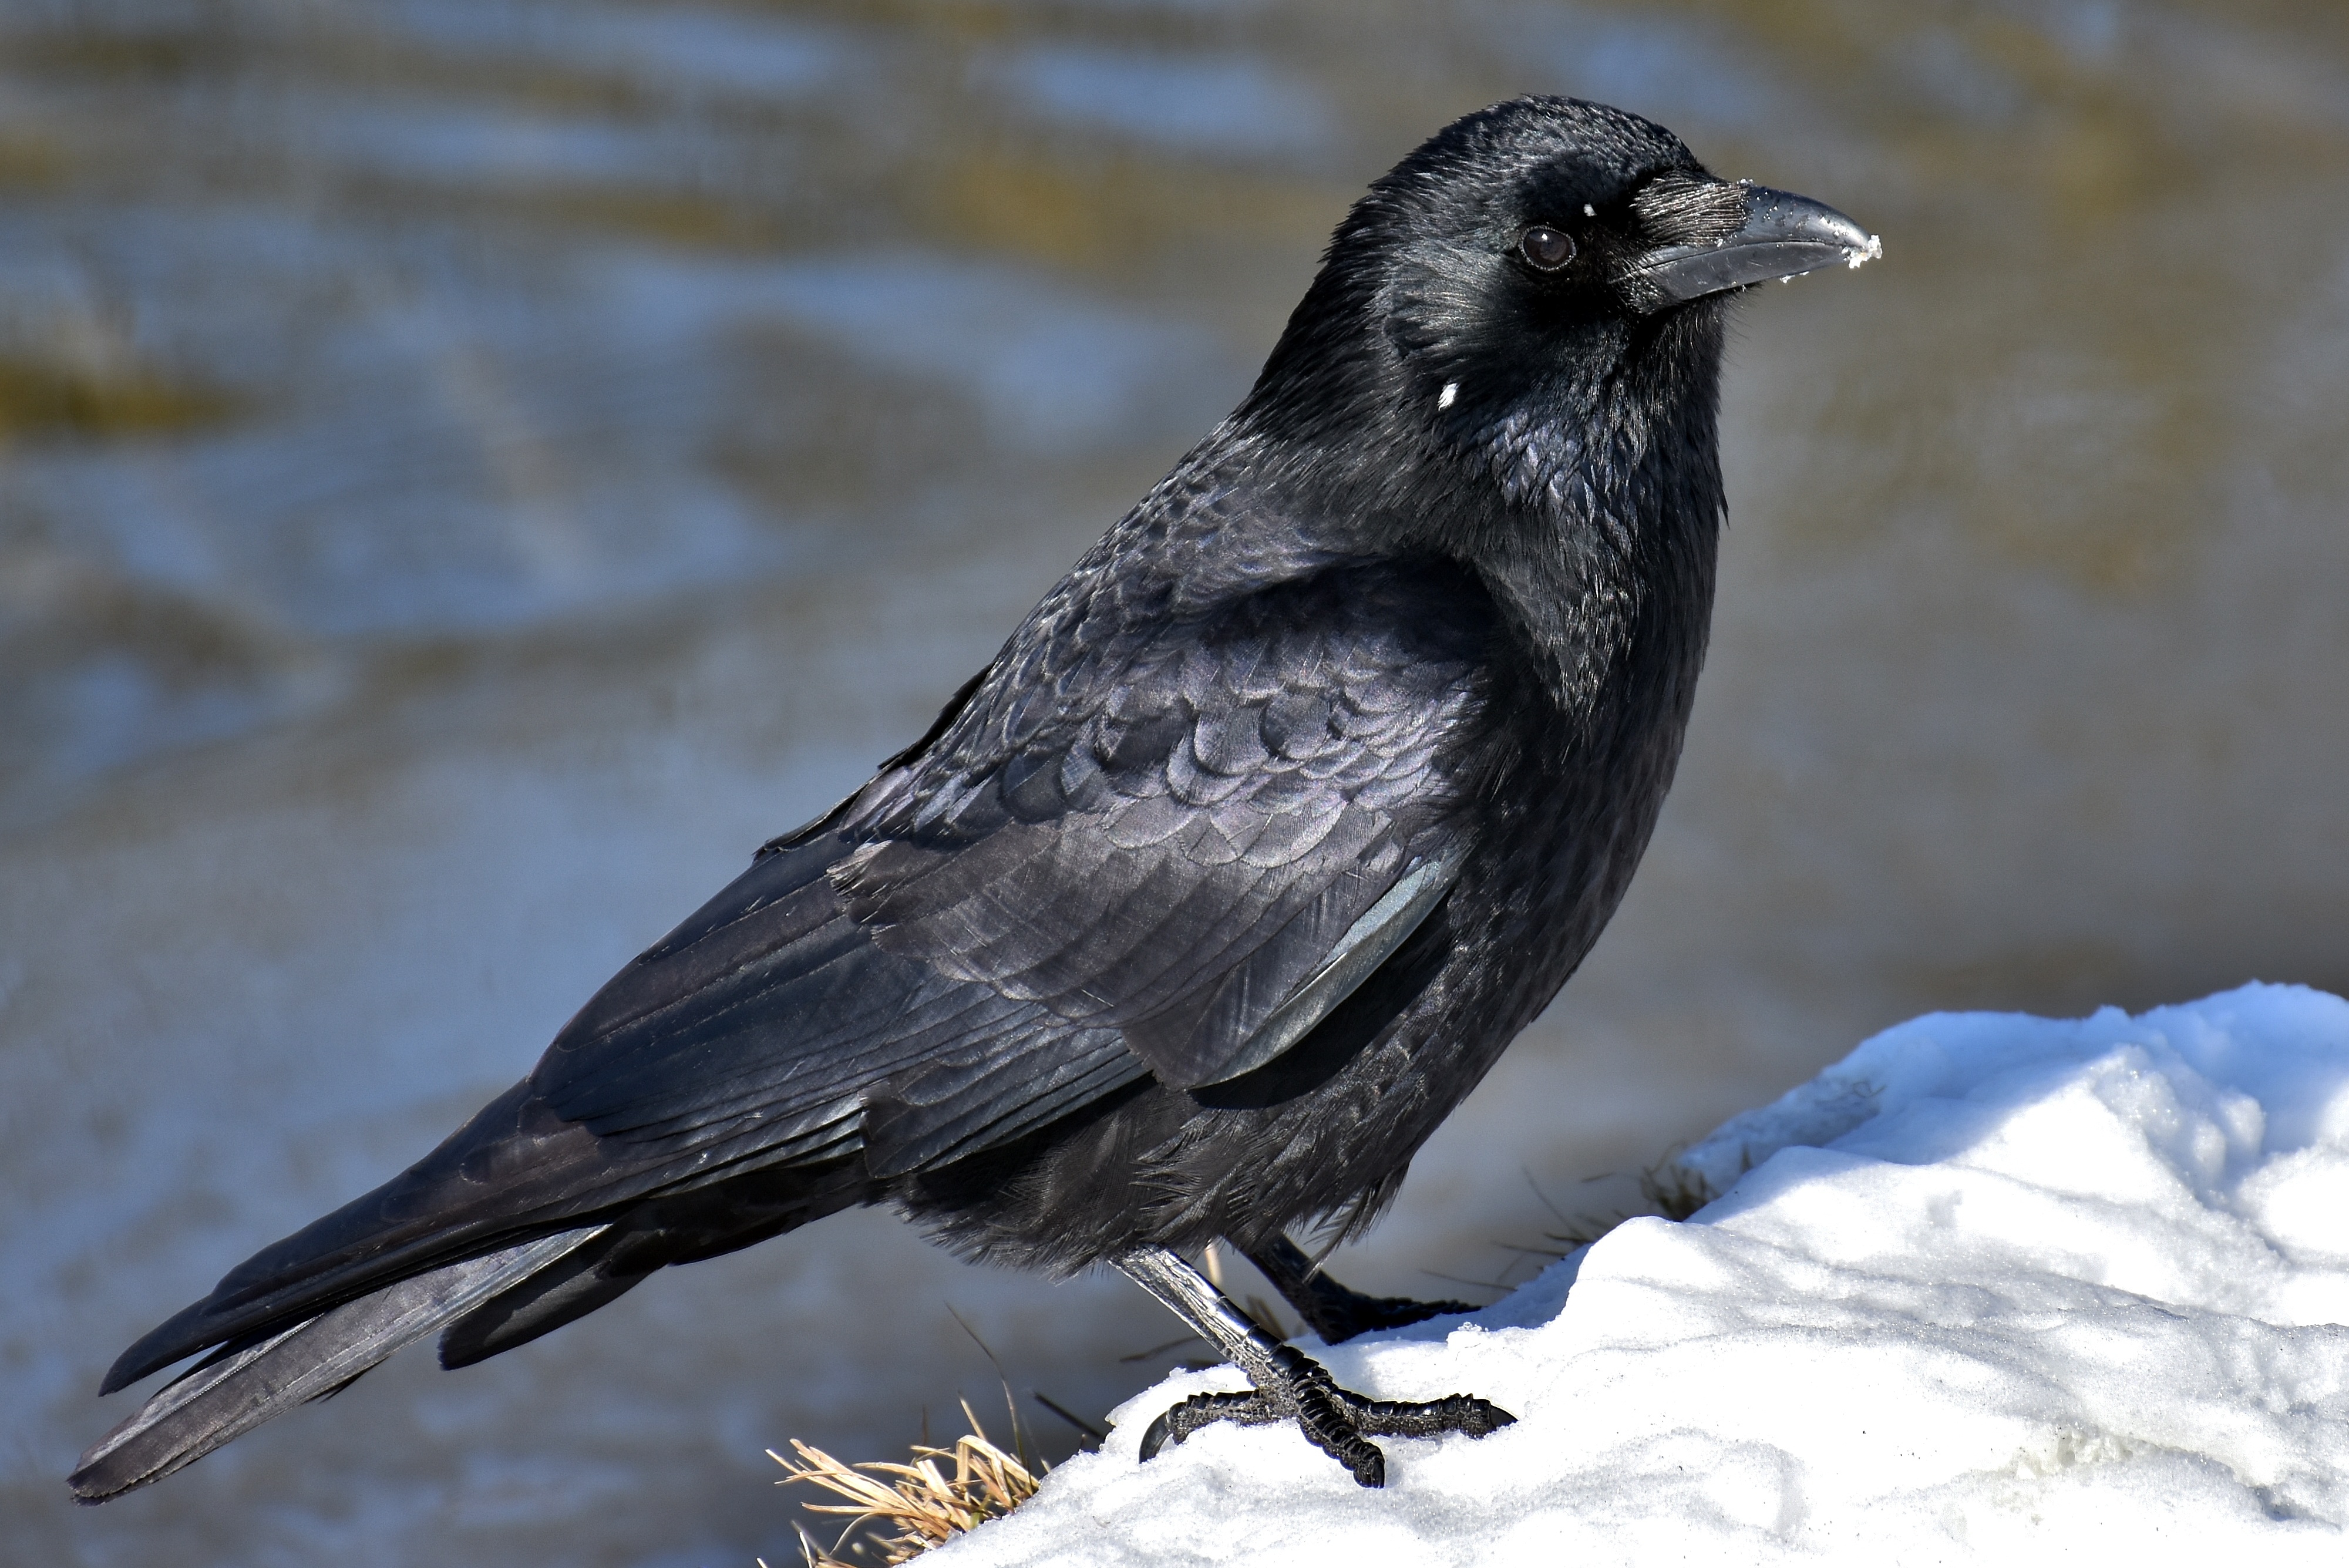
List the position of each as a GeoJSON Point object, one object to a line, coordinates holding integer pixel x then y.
{"type": "Point", "coordinates": [1547, 248]}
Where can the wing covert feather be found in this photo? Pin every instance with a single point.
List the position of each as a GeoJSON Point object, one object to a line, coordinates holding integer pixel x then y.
{"type": "Point", "coordinates": [1182, 840]}
{"type": "Point", "coordinates": [1128, 864]}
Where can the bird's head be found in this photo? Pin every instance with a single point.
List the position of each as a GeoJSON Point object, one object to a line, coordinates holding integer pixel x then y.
{"type": "Point", "coordinates": [1535, 276]}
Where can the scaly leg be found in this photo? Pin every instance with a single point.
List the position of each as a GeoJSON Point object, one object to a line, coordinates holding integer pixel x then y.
{"type": "Point", "coordinates": [1289, 1386]}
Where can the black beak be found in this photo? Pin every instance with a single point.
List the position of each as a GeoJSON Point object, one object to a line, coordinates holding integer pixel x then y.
{"type": "Point", "coordinates": [1784, 234]}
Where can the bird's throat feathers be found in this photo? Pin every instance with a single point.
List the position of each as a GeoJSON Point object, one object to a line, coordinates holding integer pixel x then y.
{"type": "Point", "coordinates": [1584, 490]}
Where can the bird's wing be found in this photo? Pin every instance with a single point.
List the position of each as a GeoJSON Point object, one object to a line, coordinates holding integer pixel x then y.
{"type": "Point", "coordinates": [766, 1027]}
{"type": "Point", "coordinates": [747, 1041]}
{"type": "Point", "coordinates": [1174, 856]}
{"type": "Point", "coordinates": [1176, 866]}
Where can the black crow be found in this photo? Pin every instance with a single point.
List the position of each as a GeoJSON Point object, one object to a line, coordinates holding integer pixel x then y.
{"type": "Point", "coordinates": [1205, 902]}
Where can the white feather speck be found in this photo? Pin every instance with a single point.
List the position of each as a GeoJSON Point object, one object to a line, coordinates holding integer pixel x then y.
{"type": "Point", "coordinates": [1451, 390]}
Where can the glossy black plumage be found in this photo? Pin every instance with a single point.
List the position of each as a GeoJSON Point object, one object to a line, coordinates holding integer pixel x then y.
{"type": "Point", "coordinates": [1422, 617]}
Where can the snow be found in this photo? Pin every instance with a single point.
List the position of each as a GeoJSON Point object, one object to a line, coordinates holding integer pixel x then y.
{"type": "Point", "coordinates": [1992, 1288]}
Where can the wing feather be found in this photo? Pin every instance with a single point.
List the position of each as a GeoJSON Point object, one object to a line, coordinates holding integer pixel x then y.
{"type": "Point", "coordinates": [1138, 846]}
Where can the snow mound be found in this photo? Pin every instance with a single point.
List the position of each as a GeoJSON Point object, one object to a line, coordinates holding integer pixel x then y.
{"type": "Point", "coordinates": [1992, 1285]}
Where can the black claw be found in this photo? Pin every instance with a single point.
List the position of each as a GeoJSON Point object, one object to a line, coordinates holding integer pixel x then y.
{"type": "Point", "coordinates": [1180, 1419]}
{"type": "Point", "coordinates": [1327, 1415]}
{"type": "Point", "coordinates": [1155, 1437]}
{"type": "Point", "coordinates": [1338, 1421]}
{"type": "Point", "coordinates": [1452, 1413]}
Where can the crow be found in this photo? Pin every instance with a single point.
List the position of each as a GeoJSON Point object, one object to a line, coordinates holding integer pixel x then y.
{"type": "Point", "coordinates": [1203, 903]}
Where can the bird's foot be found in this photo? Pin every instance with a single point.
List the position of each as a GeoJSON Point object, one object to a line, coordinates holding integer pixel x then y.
{"type": "Point", "coordinates": [1335, 1311]}
{"type": "Point", "coordinates": [1338, 1421]}
{"type": "Point", "coordinates": [1339, 1313]}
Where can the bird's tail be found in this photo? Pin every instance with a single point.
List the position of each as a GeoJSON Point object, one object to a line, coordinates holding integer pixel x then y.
{"type": "Point", "coordinates": [246, 1382]}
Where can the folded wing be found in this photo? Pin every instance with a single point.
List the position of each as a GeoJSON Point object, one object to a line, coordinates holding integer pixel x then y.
{"type": "Point", "coordinates": [1160, 846]}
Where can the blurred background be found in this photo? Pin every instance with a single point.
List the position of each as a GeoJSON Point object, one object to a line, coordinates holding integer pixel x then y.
{"type": "Point", "coordinates": [470, 471]}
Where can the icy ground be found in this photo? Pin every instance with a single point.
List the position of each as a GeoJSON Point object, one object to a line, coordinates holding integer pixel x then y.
{"type": "Point", "coordinates": [1992, 1288]}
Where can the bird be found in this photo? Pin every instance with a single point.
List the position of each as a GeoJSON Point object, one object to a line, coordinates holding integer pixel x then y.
{"type": "Point", "coordinates": [1213, 893]}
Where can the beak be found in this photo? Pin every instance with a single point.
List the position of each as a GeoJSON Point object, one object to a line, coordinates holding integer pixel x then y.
{"type": "Point", "coordinates": [1784, 234]}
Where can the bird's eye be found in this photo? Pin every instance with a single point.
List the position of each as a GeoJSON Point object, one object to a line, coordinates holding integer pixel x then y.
{"type": "Point", "coordinates": [1547, 248]}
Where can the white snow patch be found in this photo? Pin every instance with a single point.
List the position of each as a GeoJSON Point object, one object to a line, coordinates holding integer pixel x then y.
{"type": "Point", "coordinates": [1992, 1288]}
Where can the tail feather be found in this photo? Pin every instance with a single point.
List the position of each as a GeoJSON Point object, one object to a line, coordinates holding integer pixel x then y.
{"type": "Point", "coordinates": [591, 1276]}
{"type": "Point", "coordinates": [683, 1229]}
{"type": "Point", "coordinates": [240, 1386]}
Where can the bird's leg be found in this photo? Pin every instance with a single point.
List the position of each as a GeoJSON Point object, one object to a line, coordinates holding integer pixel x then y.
{"type": "Point", "coordinates": [1329, 1308]}
{"type": "Point", "coordinates": [1289, 1386]}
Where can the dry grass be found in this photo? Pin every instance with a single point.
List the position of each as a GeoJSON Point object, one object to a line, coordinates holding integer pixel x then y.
{"type": "Point", "coordinates": [1666, 1187]}
{"type": "Point", "coordinates": [921, 1504]}
{"type": "Point", "coordinates": [1675, 1192]}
